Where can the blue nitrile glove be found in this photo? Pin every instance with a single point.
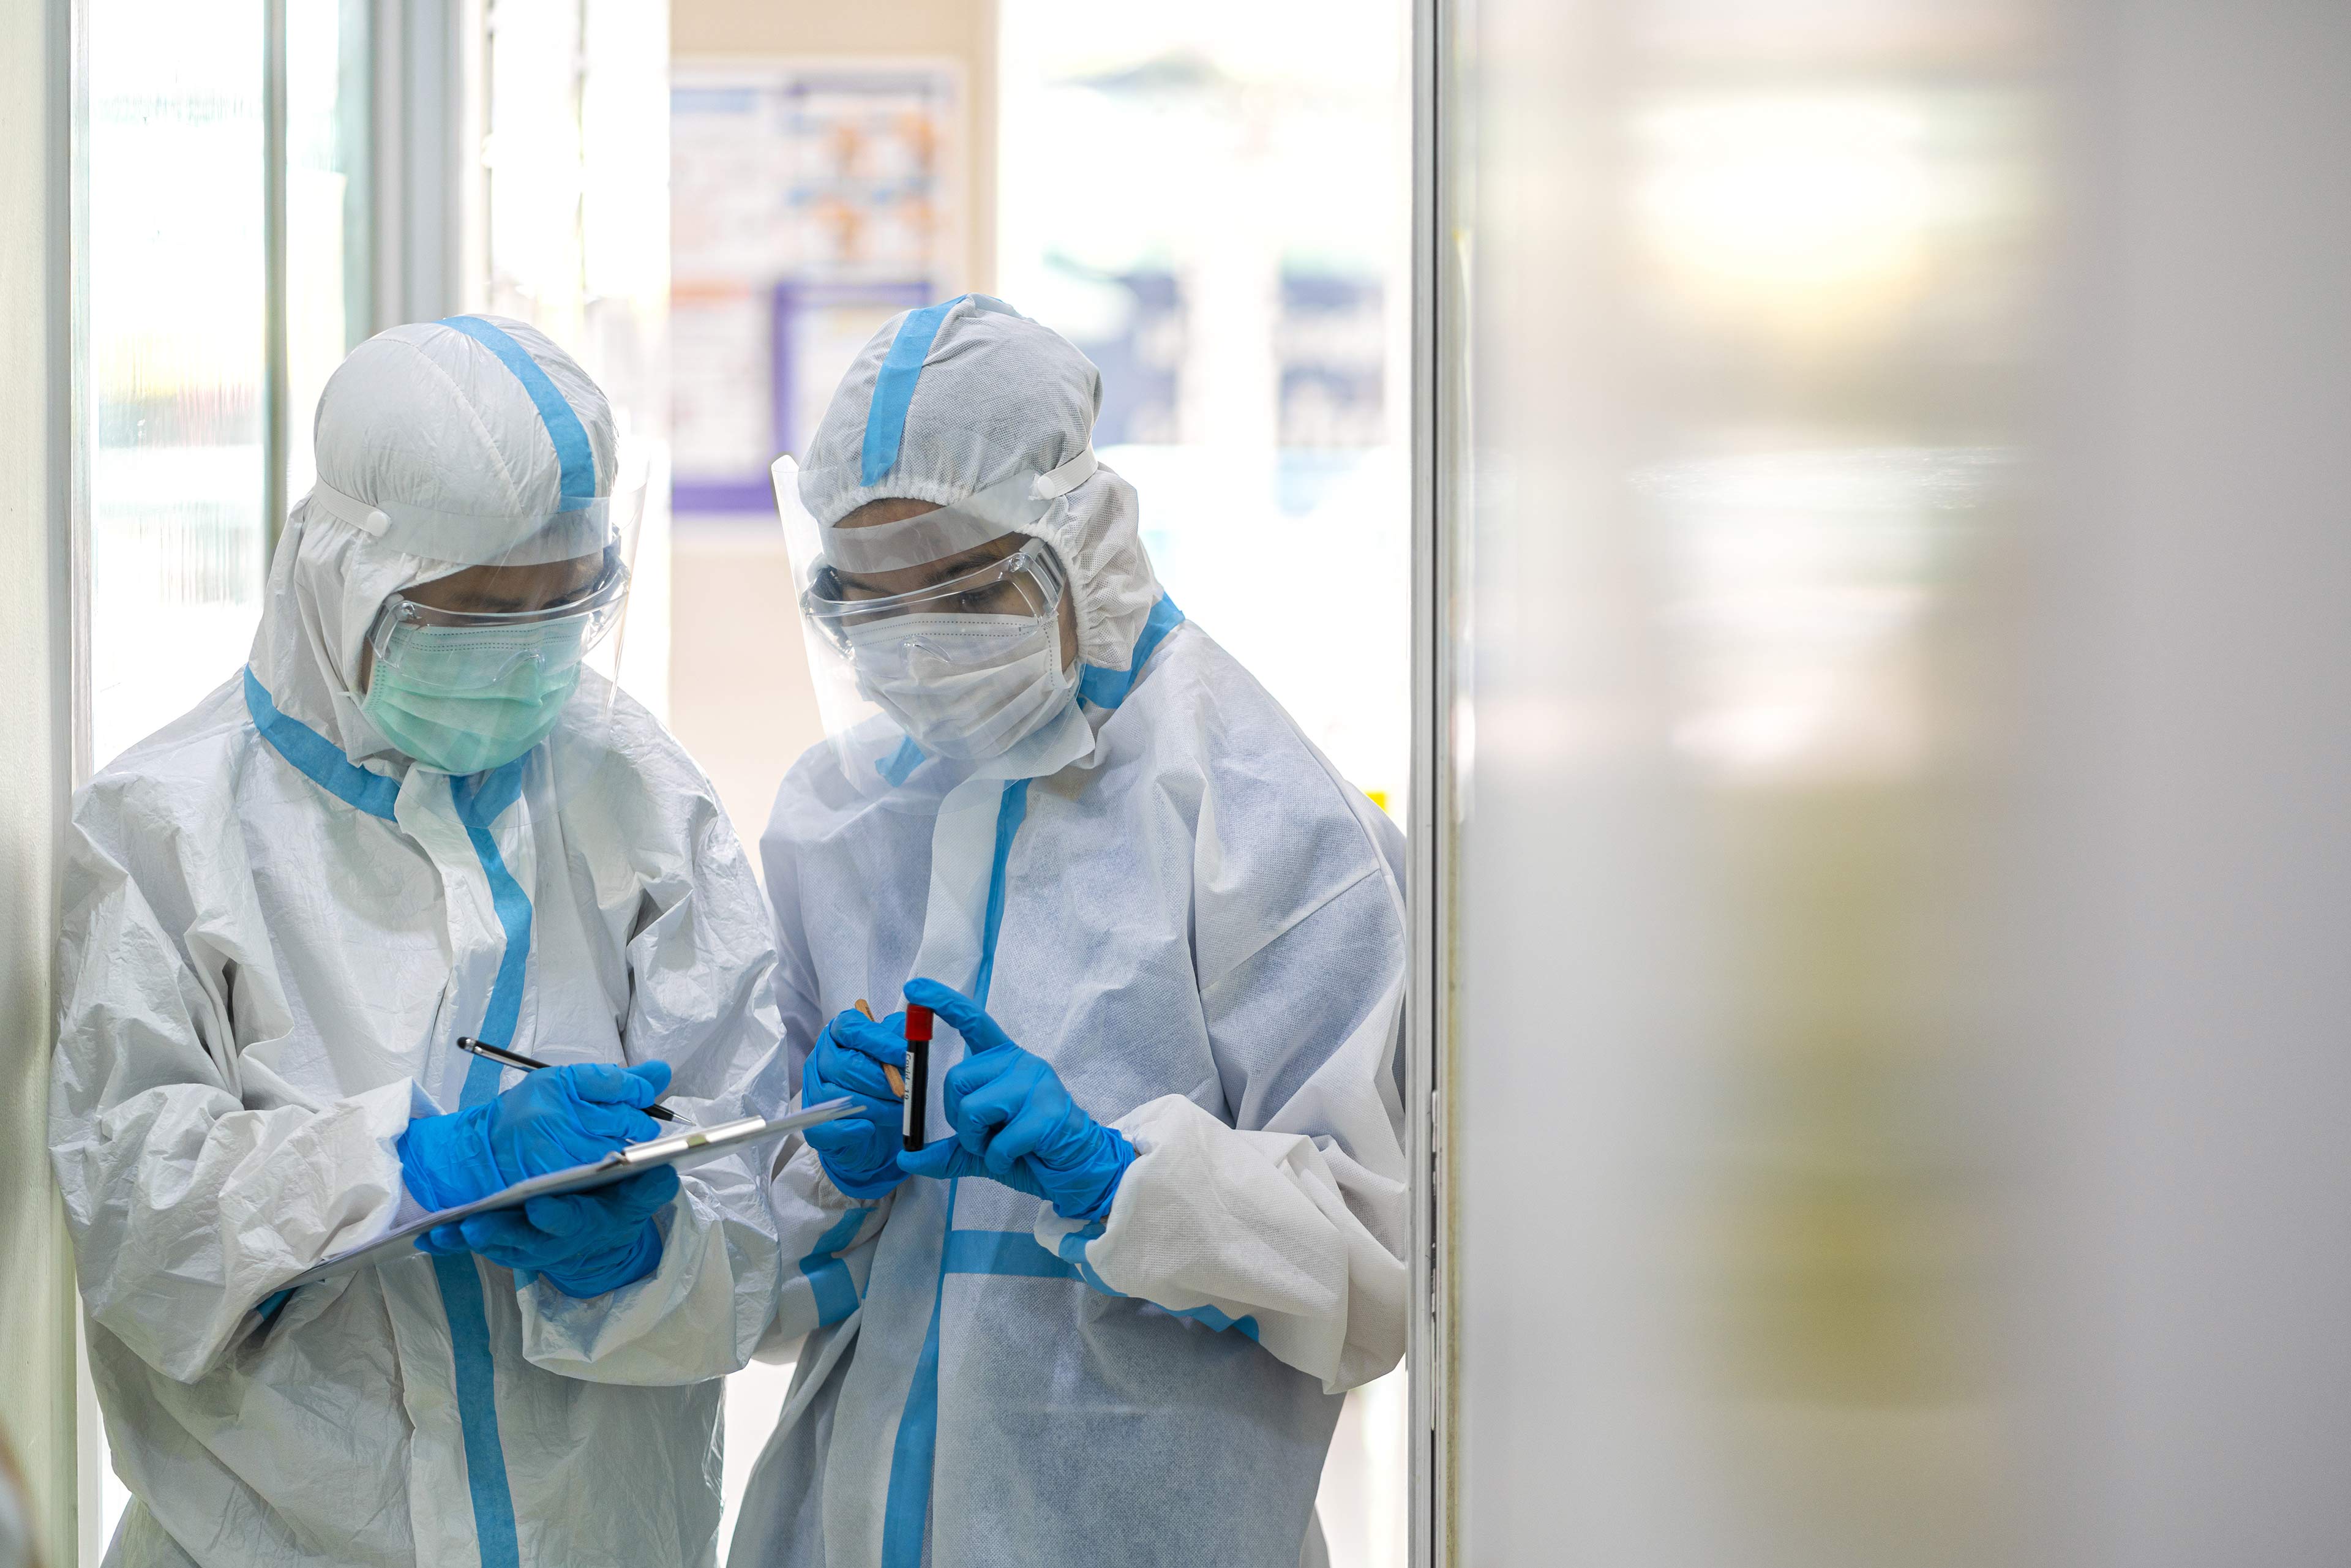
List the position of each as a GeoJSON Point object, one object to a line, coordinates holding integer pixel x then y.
{"type": "Point", "coordinates": [585, 1243]}
{"type": "Point", "coordinates": [861, 1151]}
{"type": "Point", "coordinates": [1014, 1122]}
{"type": "Point", "coordinates": [551, 1120]}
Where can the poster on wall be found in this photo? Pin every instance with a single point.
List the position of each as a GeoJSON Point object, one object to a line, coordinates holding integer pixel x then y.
{"type": "Point", "coordinates": [809, 202]}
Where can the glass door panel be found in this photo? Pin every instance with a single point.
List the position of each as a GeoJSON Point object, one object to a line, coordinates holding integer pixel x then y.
{"type": "Point", "coordinates": [177, 295]}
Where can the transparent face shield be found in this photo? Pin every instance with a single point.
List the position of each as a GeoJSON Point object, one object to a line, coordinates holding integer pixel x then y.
{"type": "Point", "coordinates": [473, 668]}
{"type": "Point", "coordinates": [944, 628]}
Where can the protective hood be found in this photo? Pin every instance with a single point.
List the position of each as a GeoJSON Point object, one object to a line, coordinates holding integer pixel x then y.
{"type": "Point", "coordinates": [946, 401]}
{"type": "Point", "coordinates": [474, 416]}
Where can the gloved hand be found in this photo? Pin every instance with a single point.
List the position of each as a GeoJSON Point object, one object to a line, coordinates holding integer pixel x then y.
{"type": "Point", "coordinates": [551, 1120]}
{"type": "Point", "coordinates": [860, 1153]}
{"type": "Point", "coordinates": [585, 1243]}
{"type": "Point", "coordinates": [1014, 1122]}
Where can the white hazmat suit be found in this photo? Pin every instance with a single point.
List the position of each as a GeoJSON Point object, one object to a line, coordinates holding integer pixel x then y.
{"type": "Point", "coordinates": [275, 928]}
{"type": "Point", "coordinates": [1169, 895]}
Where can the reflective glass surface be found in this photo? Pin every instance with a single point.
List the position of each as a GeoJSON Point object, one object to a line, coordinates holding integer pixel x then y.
{"type": "Point", "coordinates": [1749, 291]}
{"type": "Point", "coordinates": [329, 282]}
{"type": "Point", "coordinates": [176, 293]}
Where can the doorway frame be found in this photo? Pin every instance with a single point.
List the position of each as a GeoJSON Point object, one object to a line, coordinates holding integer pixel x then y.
{"type": "Point", "coordinates": [1439, 430]}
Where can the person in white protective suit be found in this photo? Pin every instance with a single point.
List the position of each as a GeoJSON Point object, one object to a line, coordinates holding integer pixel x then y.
{"type": "Point", "coordinates": [413, 816]}
{"type": "Point", "coordinates": [1107, 1315]}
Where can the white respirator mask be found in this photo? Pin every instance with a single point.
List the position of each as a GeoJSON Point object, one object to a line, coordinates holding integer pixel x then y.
{"type": "Point", "coordinates": [966, 686]}
{"type": "Point", "coordinates": [966, 667]}
{"type": "Point", "coordinates": [943, 625]}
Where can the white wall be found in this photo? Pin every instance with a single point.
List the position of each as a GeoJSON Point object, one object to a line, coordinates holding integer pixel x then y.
{"type": "Point", "coordinates": [36, 1300]}
{"type": "Point", "coordinates": [1905, 870]}
{"type": "Point", "coordinates": [2188, 882]}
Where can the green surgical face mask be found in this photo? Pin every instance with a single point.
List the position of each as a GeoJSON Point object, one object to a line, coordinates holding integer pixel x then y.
{"type": "Point", "coordinates": [467, 699]}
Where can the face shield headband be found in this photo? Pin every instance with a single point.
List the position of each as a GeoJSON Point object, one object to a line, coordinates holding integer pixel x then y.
{"type": "Point", "coordinates": [1012, 506]}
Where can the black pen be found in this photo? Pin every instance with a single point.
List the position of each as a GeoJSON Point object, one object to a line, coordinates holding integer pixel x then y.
{"type": "Point", "coordinates": [505, 1058]}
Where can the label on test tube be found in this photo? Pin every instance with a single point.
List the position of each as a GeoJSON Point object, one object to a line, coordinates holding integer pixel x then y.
{"type": "Point", "coordinates": [918, 1076]}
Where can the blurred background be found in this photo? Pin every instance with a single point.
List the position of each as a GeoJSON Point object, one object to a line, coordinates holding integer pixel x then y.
{"type": "Point", "coordinates": [1898, 729]}
{"type": "Point", "coordinates": [1857, 487]}
{"type": "Point", "coordinates": [1212, 202]}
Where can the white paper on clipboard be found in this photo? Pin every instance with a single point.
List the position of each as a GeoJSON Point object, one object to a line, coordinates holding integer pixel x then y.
{"type": "Point", "coordinates": [681, 1151]}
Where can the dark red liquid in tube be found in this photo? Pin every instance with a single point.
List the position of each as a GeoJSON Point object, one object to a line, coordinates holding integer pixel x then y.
{"type": "Point", "coordinates": [919, 1075]}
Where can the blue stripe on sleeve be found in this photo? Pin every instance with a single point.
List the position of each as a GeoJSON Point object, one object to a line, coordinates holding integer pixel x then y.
{"type": "Point", "coordinates": [827, 1273]}
{"type": "Point", "coordinates": [1073, 1253]}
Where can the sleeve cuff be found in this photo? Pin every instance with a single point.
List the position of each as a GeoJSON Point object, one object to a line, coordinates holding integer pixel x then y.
{"type": "Point", "coordinates": [1242, 1231]}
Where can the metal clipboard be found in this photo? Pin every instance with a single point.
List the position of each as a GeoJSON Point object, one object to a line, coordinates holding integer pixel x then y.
{"type": "Point", "coordinates": [683, 1151]}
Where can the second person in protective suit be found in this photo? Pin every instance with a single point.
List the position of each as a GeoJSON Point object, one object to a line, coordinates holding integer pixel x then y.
{"type": "Point", "coordinates": [1106, 1314]}
{"type": "Point", "coordinates": [415, 816]}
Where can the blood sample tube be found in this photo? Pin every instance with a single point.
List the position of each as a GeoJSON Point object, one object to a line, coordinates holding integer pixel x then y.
{"type": "Point", "coordinates": [919, 1075]}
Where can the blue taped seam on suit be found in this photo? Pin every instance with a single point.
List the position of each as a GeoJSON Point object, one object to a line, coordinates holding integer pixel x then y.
{"type": "Point", "coordinates": [480, 802]}
{"type": "Point", "coordinates": [1007, 1254]}
{"type": "Point", "coordinates": [827, 1275]}
{"type": "Point", "coordinates": [1108, 689]}
{"type": "Point", "coordinates": [477, 1411]}
{"type": "Point", "coordinates": [318, 759]}
{"type": "Point", "coordinates": [573, 454]}
{"type": "Point", "coordinates": [315, 756]}
{"type": "Point", "coordinates": [893, 387]}
{"type": "Point", "coordinates": [1009, 811]}
{"type": "Point", "coordinates": [900, 764]}
{"type": "Point", "coordinates": [906, 1511]}
{"type": "Point", "coordinates": [906, 1507]}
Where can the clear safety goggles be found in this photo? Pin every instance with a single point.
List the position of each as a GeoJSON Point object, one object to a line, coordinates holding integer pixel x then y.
{"type": "Point", "coordinates": [558, 588]}
{"type": "Point", "coordinates": [872, 593]}
{"type": "Point", "coordinates": [494, 643]}
{"type": "Point", "coordinates": [1025, 586]}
